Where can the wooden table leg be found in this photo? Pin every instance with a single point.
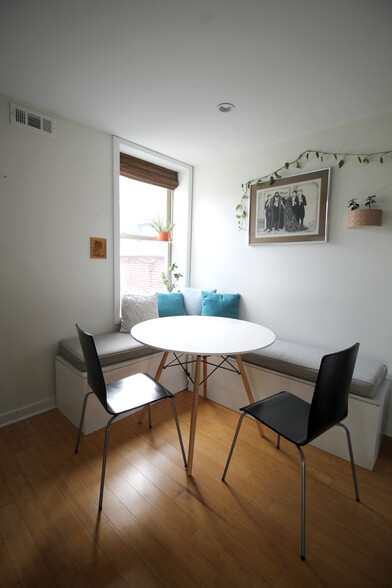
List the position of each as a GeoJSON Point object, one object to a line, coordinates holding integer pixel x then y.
{"type": "Point", "coordinates": [195, 401]}
{"type": "Point", "coordinates": [157, 376]}
{"type": "Point", "coordinates": [205, 376]}
{"type": "Point", "coordinates": [247, 388]}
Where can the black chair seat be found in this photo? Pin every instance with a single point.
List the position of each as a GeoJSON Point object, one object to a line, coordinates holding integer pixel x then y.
{"type": "Point", "coordinates": [285, 414]}
{"type": "Point", "coordinates": [134, 392]}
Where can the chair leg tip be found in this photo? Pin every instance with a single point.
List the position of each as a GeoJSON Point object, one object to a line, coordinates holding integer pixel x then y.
{"type": "Point", "coordinates": [358, 500]}
{"type": "Point", "coordinates": [302, 557]}
{"type": "Point", "coordinates": [99, 507]}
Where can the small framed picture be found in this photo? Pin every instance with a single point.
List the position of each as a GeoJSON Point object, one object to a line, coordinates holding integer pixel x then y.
{"type": "Point", "coordinates": [97, 248]}
{"type": "Point", "coordinates": [291, 210]}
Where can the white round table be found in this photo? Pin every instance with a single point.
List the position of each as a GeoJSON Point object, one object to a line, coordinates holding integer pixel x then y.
{"type": "Point", "coordinates": [203, 336]}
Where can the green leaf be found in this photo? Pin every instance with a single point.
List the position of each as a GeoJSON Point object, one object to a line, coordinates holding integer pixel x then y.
{"type": "Point", "coordinates": [277, 175]}
{"type": "Point", "coordinates": [341, 163]}
{"type": "Point", "coordinates": [300, 156]}
{"type": "Point", "coordinates": [287, 165]}
{"type": "Point", "coordinates": [244, 214]}
{"type": "Point", "coordinates": [335, 156]}
{"type": "Point", "coordinates": [381, 160]}
{"type": "Point", "coordinates": [359, 159]}
{"type": "Point", "coordinates": [298, 166]}
{"type": "Point", "coordinates": [317, 154]}
{"type": "Point", "coordinates": [322, 158]}
{"type": "Point", "coordinates": [272, 180]}
{"type": "Point", "coordinates": [366, 160]}
{"type": "Point", "coordinates": [307, 156]}
{"type": "Point", "coordinates": [238, 206]}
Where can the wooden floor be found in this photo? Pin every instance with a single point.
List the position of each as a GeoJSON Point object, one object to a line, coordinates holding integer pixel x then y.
{"type": "Point", "coordinates": [158, 527]}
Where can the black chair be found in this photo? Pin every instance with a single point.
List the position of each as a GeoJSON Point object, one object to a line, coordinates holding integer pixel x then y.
{"type": "Point", "coordinates": [300, 422]}
{"type": "Point", "coordinates": [119, 397]}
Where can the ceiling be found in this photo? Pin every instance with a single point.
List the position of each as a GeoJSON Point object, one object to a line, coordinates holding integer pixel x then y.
{"type": "Point", "coordinates": [153, 71]}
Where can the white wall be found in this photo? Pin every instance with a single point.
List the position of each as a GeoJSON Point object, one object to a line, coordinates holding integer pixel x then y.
{"type": "Point", "coordinates": [328, 294]}
{"type": "Point", "coordinates": [54, 195]}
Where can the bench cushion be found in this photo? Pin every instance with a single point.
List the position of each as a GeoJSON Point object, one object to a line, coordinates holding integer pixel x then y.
{"type": "Point", "coordinates": [111, 347]}
{"type": "Point", "coordinates": [303, 361]}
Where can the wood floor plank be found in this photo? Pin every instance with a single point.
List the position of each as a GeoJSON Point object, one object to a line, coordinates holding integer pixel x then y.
{"type": "Point", "coordinates": [23, 552]}
{"type": "Point", "coordinates": [160, 527]}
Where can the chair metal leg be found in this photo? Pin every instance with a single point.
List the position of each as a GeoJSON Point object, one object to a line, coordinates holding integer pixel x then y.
{"type": "Point", "coordinates": [105, 449]}
{"type": "Point", "coordinates": [350, 450]}
{"type": "Point", "coordinates": [149, 416]}
{"type": "Point", "coordinates": [278, 442]}
{"type": "Point", "coordinates": [178, 431]}
{"type": "Point", "coordinates": [81, 421]}
{"type": "Point", "coordinates": [232, 446]}
{"type": "Point", "coordinates": [303, 501]}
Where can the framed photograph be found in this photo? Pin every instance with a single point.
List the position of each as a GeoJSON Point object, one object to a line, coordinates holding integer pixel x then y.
{"type": "Point", "coordinates": [291, 210]}
{"type": "Point", "coordinates": [97, 248]}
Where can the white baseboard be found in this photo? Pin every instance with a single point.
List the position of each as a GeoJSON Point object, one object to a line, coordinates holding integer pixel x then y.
{"type": "Point", "coordinates": [20, 414]}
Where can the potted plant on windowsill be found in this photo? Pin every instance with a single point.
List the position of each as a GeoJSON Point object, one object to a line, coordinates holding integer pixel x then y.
{"type": "Point", "coordinates": [163, 228]}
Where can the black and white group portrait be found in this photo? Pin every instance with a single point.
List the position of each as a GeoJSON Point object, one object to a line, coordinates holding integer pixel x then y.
{"type": "Point", "coordinates": [288, 211]}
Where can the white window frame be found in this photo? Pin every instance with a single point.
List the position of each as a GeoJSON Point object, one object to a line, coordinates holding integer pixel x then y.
{"type": "Point", "coordinates": [182, 209]}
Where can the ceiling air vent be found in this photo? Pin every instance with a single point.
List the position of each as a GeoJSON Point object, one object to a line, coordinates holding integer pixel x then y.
{"type": "Point", "coordinates": [25, 117]}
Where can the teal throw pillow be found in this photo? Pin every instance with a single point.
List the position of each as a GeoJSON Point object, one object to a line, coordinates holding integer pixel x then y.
{"type": "Point", "coordinates": [226, 305]}
{"type": "Point", "coordinates": [170, 304]}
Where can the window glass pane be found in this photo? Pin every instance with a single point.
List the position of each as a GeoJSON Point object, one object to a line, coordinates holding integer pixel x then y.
{"type": "Point", "coordinates": [141, 266]}
{"type": "Point", "coordinates": [140, 203]}
{"type": "Point", "coordinates": [142, 260]}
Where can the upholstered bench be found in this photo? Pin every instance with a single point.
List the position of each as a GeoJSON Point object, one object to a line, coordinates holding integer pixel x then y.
{"type": "Point", "coordinates": [294, 367]}
{"type": "Point", "coordinates": [303, 361]}
{"type": "Point", "coordinates": [112, 348]}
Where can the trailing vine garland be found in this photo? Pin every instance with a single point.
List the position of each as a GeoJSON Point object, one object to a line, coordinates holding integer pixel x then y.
{"type": "Point", "coordinates": [302, 159]}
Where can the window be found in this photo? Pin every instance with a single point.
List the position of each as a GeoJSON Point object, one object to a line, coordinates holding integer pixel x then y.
{"type": "Point", "coordinates": [139, 259]}
{"type": "Point", "coordinates": [142, 258]}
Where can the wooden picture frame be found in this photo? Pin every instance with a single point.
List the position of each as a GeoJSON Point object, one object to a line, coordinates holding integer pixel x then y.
{"type": "Point", "coordinates": [97, 248]}
{"type": "Point", "coordinates": [291, 210]}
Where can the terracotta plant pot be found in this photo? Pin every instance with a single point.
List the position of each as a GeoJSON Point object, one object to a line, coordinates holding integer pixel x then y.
{"type": "Point", "coordinates": [364, 218]}
{"type": "Point", "coordinates": [163, 236]}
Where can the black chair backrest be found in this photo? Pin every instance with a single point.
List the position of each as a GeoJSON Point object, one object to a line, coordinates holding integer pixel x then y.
{"type": "Point", "coordinates": [330, 399]}
{"type": "Point", "coordinates": [94, 371]}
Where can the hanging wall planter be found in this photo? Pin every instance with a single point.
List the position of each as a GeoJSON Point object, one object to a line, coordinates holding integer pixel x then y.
{"type": "Point", "coordinates": [363, 217]}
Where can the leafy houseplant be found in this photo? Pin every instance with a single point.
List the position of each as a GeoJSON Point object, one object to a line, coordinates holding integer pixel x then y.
{"type": "Point", "coordinates": [167, 279]}
{"type": "Point", "coordinates": [163, 228]}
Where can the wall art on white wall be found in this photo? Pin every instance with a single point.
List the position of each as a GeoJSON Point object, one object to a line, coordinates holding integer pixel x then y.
{"type": "Point", "coordinates": [291, 210]}
{"type": "Point", "coordinates": [97, 248]}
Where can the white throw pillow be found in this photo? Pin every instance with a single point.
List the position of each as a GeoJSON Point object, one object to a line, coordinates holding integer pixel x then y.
{"type": "Point", "coordinates": [136, 308]}
{"type": "Point", "coordinates": [192, 300]}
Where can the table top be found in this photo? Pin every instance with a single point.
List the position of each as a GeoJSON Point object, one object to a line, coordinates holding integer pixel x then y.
{"type": "Point", "coordinates": [203, 335]}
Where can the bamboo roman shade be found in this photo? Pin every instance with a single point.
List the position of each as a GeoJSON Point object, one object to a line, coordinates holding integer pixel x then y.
{"type": "Point", "coordinates": [144, 171]}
